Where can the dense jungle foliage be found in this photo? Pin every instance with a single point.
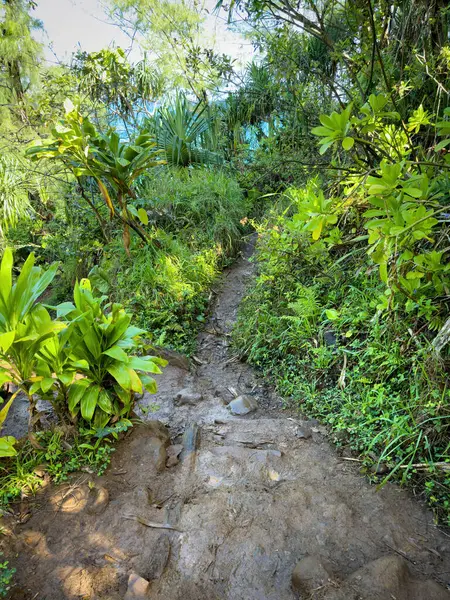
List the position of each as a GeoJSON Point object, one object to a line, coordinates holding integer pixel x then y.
{"type": "Point", "coordinates": [125, 187]}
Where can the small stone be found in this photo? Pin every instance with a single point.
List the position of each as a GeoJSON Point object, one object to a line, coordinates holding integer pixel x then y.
{"type": "Point", "coordinates": [138, 588]}
{"type": "Point", "coordinates": [174, 450]}
{"type": "Point", "coordinates": [172, 461]}
{"type": "Point", "coordinates": [310, 573]}
{"type": "Point", "coordinates": [304, 433]}
{"type": "Point", "coordinates": [158, 453]}
{"type": "Point", "coordinates": [388, 577]}
{"type": "Point", "coordinates": [379, 469]}
{"type": "Point", "coordinates": [187, 396]}
{"type": "Point", "coordinates": [159, 558]}
{"type": "Point", "coordinates": [329, 338]}
{"type": "Point", "coordinates": [242, 405]}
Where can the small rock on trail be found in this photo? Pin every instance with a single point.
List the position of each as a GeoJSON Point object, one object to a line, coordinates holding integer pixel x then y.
{"type": "Point", "coordinates": [138, 588]}
{"type": "Point", "coordinates": [242, 405]}
{"type": "Point", "coordinates": [310, 574]}
{"type": "Point", "coordinates": [188, 396]}
{"type": "Point", "coordinates": [384, 579]}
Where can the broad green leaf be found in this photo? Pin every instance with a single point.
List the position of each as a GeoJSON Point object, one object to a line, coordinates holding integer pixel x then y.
{"type": "Point", "coordinates": [6, 273]}
{"type": "Point", "coordinates": [7, 446]}
{"type": "Point", "coordinates": [143, 216]}
{"type": "Point", "coordinates": [133, 210]}
{"type": "Point", "coordinates": [76, 392]}
{"type": "Point", "coordinates": [321, 131]}
{"type": "Point", "coordinates": [442, 145]}
{"type": "Point", "coordinates": [46, 384]}
{"type": "Point", "coordinates": [80, 364]}
{"type": "Point", "coordinates": [66, 377]}
{"type": "Point", "coordinates": [136, 383]}
{"type": "Point", "coordinates": [6, 340]}
{"type": "Point", "coordinates": [35, 387]}
{"type": "Point", "coordinates": [383, 272]}
{"type": "Point", "coordinates": [133, 331]}
{"type": "Point", "coordinates": [64, 309]}
{"type": "Point", "coordinates": [332, 314]}
{"type": "Point", "coordinates": [143, 364]}
{"type": "Point", "coordinates": [347, 143]}
{"type": "Point", "coordinates": [317, 230]}
{"type": "Point", "coordinates": [124, 395]}
{"type": "Point", "coordinates": [324, 147]}
{"type": "Point", "coordinates": [4, 411]}
{"type": "Point", "coordinates": [121, 374]}
{"type": "Point", "coordinates": [149, 383]}
{"type": "Point", "coordinates": [91, 340]}
{"type": "Point", "coordinates": [414, 192]}
{"type": "Point", "coordinates": [104, 402]}
{"type": "Point", "coordinates": [89, 401]}
{"type": "Point", "coordinates": [117, 353]}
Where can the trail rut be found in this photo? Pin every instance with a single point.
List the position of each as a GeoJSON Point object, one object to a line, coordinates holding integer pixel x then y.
{"type": "Point", "coordinates": [250, 497]}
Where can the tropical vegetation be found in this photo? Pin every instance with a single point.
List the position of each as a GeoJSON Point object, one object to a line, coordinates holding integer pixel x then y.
{"type": "Point", "coordinates": [331, 143]}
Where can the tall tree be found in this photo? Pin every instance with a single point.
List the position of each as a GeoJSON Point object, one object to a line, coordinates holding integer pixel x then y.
{"type": "Point", "coordinates": [20, 53]}
{"type": "Point", "coordinates": [177, 40]}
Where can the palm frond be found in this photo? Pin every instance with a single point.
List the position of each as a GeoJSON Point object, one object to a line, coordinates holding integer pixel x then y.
{"type": "Point", "coordinates": [186, 132]}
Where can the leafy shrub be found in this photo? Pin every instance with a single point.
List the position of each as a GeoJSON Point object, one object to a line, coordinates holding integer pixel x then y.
{"type": "Point", "coordinates": [203, 207]}
{"type": "Point", "coordinates": [90, 365]}
{"type": "Point", "coordinates": [6, 576]}
{"type": "Point", "coordinates": [82, 364]}
{"type": "Point", "coordinates": [25, 327]}
{"type": "Point", "coordinates": [313, 322]}
{"type": "Point", "coordinates": [195, 217]}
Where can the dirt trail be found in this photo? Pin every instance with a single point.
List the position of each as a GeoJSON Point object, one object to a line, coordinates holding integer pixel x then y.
{"type": "Point", "coordinates": [250, 497]}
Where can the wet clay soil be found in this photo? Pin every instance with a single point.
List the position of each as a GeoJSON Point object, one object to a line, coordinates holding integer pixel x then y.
{"type": "Point", "coordinates": [248, 497]}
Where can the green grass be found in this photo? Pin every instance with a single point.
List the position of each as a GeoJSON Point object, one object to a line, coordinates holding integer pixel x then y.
{"type": "Point", "coordinates": [314, 327]}
{"type": "Point", "coordinates": [195, 222]}
{"type": "Point", "coordinates": [56, 453]}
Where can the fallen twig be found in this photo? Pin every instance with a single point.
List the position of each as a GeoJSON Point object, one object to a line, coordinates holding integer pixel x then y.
{"type": "Point", "coordinates": [150, 523]}
{"type": "Point", "coordinates": [439, 465]}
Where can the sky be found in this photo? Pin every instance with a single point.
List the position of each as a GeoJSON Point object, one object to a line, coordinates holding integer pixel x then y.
{"type": "Point", "coordinates": [74, 24]}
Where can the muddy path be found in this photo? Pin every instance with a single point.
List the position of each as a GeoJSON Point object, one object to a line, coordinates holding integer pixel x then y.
{"type": "Point", "coordinates": [203, 504]}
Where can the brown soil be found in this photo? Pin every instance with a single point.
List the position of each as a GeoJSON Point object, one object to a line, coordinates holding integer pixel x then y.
{"type": "Point", "coordinates": [250, 497]}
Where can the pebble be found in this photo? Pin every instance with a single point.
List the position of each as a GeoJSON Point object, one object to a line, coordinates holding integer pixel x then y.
{"type": "Point", "coordinates": [138, 588]}
{"type": "Point", "coordinates": [187, 396]}
{"type": "Point", "coordinates": [379, 469]}
{"type": "Point", "coordinates": [173, 453]}
{"type": "Point", "coordinates": [309, 574]}
{"type": "Point", "coordinates": [304, 433]}
{"type": "Point", "coordinates": [242, 405]}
